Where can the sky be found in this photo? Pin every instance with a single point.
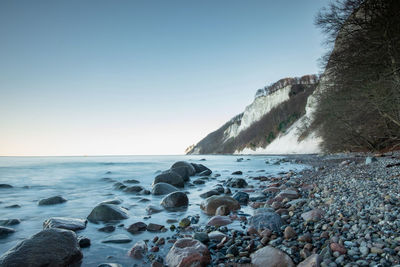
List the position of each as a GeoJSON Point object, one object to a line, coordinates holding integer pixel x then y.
{"type": "Point", "coordinates": [114, 77]}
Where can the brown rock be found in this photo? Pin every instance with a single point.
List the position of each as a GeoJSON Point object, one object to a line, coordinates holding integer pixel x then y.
{"type": "Point", "coordinates": [290, 194]}
{"type": "Point", "coordinates": [312, 261]}
{"type": "Point", "coordinates": [222, 210]}
{"type": "Point", "coordinates": [271, 257]}
{"type": "Point", "coordinates": [188, 252]}
{"type": "Point", "coordinates": [211, 204]}
{"type": "Point", "coordinates": [339, 248]}
{"type": "Point", "coordinates": [137, 228]}
{"type": "Point", "coordinates": [313, 215]}
{"type": "Point", "coordinates": [138, 250]}
{"type": "Point", "coordinates": [305, 238]}
{"type": "Point", "coordinates": [219, 221]}
{"type": "Point", "coordinates": [289, 232]}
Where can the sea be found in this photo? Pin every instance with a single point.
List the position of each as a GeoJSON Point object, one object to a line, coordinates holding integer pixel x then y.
{"type": "Point", "coordinates": [81, 181]}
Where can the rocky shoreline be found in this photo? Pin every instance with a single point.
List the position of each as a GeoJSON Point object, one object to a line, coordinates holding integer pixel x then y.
{"type": "Point", "coordinates": [344, 211]}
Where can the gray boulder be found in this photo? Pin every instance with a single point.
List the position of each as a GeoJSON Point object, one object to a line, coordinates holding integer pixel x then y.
{"type": "Point", "coordinates": [106, 213]}
{"type": "Point", "coordinates": [191, 169]}
{"type": "Point", "coordinates": [200, 168]}
{"type": "Point", "coordinates": [52, 200]}
{"type": "Point", "coordinates": [266, 219]}
{"type": "Point", "coordinates": [169, 177]}
{"type": "Point", "coordinates": [133, 189]}
{"type": "Point", "coordinates": [175, 200]}
{"type": "Point", "coordinates": [236, 182]}
{"type": "Point", "coordinates": [65, 223]}
{"type": "Point", "coordinates": [184, 172]}
{"type": "Point", "coordinates": [5, 231]}
{"type": "Point", "coordinates": [9, 222]}
{"type": "Point", "coordinates": [210, 193]}
{"type": "Point", "coordinates": [163, 189]}
{"type": "Point", "coordinates": [50, 247]}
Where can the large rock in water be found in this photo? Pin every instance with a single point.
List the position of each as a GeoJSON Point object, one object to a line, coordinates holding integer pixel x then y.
{"type": "Point", "coordinates": [52, 200]}
{"type": "Point", "coordinates": [184, 172]}
{"type": "Point", "coordinates": [190, 168]}
{"type": "Point", "coordinates": [169, 177]}
{"type": "Point", "coordinates": [163, 189]}
{"type": "Point", "coordinates": [6, 231]}
{"type": "Point", "coordinates": [175, 200]}
{"type": "Point", "coordinates": [271, 257]}
{"type": "Point", "coordinates": [266, 219]}
{"type": "Point", "coordinates": [188, 252]}
{"type": "Point", "coordinates": [50, 247]}
{"type": "Point", "coordinates": [211, 204]}
{"type": "Point", "coordinates": [200, 168]}
{"type": "Point", "coordinates": [65, 223]}
{"type": "Point", "coordinates": [236, 182]}
{"type": "Point", "coordinates": [106, 213]}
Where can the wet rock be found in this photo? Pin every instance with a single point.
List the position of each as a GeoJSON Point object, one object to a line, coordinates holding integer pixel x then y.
{"type": "Point", "coordinates": [210, 193]}
{"type": "Point", "coordinates": [205, 173]}
{"type": "Point", "coordinates": [241, 197]}
{"type": "Point", "coordinates": [190, 167]}
{"type": "Point", "coordinates": [72, 224]}
{"type": "Point", "coordinates": [236, 183]}
{"type": "Point", "coordinates": [117, 239]}
{"type": "Point", "coordinates": [50, 247]}
{"type": "Point", "coordinates": [107, 229]}
{"type": "Point", "coordinates": [106, 213]}
{"type": "Point", "coordinates": [184, 172]}
{"type": "Point", "coordinates": [114, 201]}
{"type": "Point", "coordinates": [163, 189]}
{"type": "Point", "coordinates": [83, 242]}
{"type": "Point", "coordinates": [290, 194]}
{"type": "Point", "coordinates": [153, 227]}
{"type": "Point", "coordinates": [131, 181]}
{"type": "Point", "coordinates": [52, 201]}
{"type": "Point", "coordinates": [175, 200]}
{"type": "Point", "coordinates": [138, 250]}
{"type": "Point", "coordinates": [313, 215]}
{"type": "Point", "coordinates": [237, 173]}
{"type": "Point", "coordinates": [335, 247]}
{"type": "Point", "coordinates": [219, 221]}
{"type": "Point", "coordinates": [202, 237]}
{"type": "Point", "coordinates": [151, 209]}
{"type": "Point", "coordinates": [109, 265]}
{"type": "Point", "coordinates": [312, 261]}
{"type": "Point", "coordinates": [188, 252]}
{"type": "Point", "coordinates": [199, 167]}
{"type": "Point", "coordinates": [9, 222]}
{"type": "Point", "coordinates": [289, 232]}
{"type": "Point", "coordinates": [222, 210]}
{"type": "Point", "coordinates": [185, 222]}
{"type": "Point", "coordinates": [4, 231]}
{"type": "Point", "coordinates": [171, 178]}
{"type": "Point", "coordinates": [216, 236]}
{"type": "Point", "coordinates": [210, 205]}
{"type": "Point", "coordinates": [199, 181]}
{"type": "Point", "coordinates": [266, 219]}
{"type": "Point", "coordinates": [14, 206]}
{"type": "Point", "coordinates": [271, 257]}
{"type": "Point", "coordinates": [133, 189]}
{"type": "Point", "coordinates": [137, 228]}
{"type": "Point", "coordinates": [5, 186]}
{"type": "Point", "coordinates": [119, 186]}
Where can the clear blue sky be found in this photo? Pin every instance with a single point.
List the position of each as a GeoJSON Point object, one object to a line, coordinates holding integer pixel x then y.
{"type": "Point", "coordinates": [141, 77]}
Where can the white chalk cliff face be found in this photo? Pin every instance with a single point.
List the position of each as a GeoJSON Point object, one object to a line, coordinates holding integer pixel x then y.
{"type": "Point", "coordinates": [269, 125]}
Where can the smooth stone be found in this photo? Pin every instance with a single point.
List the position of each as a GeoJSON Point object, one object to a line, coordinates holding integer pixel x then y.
{"type": "Point", "coordinates": [237, 173]}
{"type": "Point", "coordinates": [107, 229]}
{"type": "Point", "coordinates": [185, 222]}
{"type": "Point", "coordinates": [171, 178]}
{"type": "Point", "coordinates": [236, 183]}
{"type": "Point", "coordinates": [175, 200]}
{"type": "Point", "coordinates": [219, 221]}
{"type": "Point", "coordinates": [5, 186]}
{"type": "Point", "coordinates": [188, 252]}
{"type": "Point", "coordinates": [270, 257]}
{"type": "Point", "coordinates": [52, 201]}
{"type": "Point", "coordinates": [131, 181]}
{"type": "Point", "coordinates": [216, 236]}
{"type": "Point", "coordinates": [137, 227]}
{"type": "Point", "coordinates": [50, 247]}
{"type": "Point", "coordinates": [106, 213]}
{"type": "Point", "coordinates": [9, 222]}
{"type": "Point", "coordinates": [153, 227]}
{"type": "Point", "coordinates": [138, 250]}
{"type": "Point", "coordinates": [152, 209]}
{"type": "Point", "coordinates": [266, 219]}
{"type": "Point", "coordinates": [190, 167]}
{"type": "Point", "coordinates": [114, 201]}
{"type": "Point", "coordinates": [184, 172]}
{"type": "Point", "coordinates": [222, 210]}
{"type": "Point", "coordinates": [84, 242]}
{"type": "Point", "coordinates": [72, 224]}
{"type": "Point", "coordinates": [313, 215]}
{"type": "Point", "coordinates": [163, 189]}
{"type": "Point", "coordinates": [241, 197]}
{"type": "Point", "coordinates": [202, 237]}
{"type": "Point", "coordinates": [133, 189]}
{"type": "Point", "coordinates": [117, 239]}
{"type": "Point", "coordinates": [313, 260]}
{"type": "Point", "coordinates": [199, 181]}
{"type": "Point", "coordinates": [199, 167]}
{"type": "Point", "coordinates": [211, 204]}
{"type": "Point", "coordinates": [205, 173]}
{"type": "Point", "coordinates": [210, 193]}
{"type": "Point", "coordinates": [6, 231]}
{"type": "Point", "coordinates": [290, 194]}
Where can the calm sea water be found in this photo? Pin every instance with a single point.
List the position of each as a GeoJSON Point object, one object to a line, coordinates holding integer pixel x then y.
{"type": "Point", "coordinates": [79, 180]}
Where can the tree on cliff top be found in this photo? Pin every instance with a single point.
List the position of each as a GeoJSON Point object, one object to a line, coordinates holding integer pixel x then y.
{"type": "Point", "coordinates": [358, 105]}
